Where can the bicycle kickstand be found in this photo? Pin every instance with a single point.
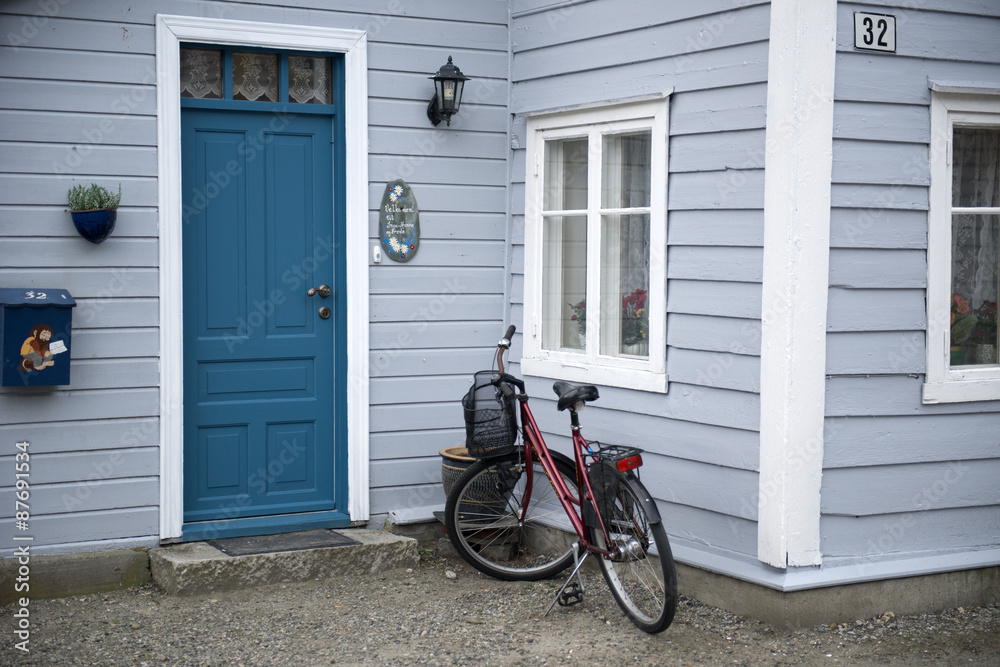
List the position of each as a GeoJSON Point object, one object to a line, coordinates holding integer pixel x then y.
{"type": "Point", "coordinates": [570, 593]}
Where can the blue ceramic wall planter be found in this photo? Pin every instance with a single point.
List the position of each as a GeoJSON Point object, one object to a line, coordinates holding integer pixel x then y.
{"type": "Point", "coordinates": [95, 226]}
{"type": "Point", "coordinates": [94, 210]}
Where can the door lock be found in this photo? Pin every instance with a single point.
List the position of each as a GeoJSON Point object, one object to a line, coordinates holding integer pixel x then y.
{"type": "Point", "coordinates": [324, 313]}
{"type": "Point", "coordinates": [323, 290]}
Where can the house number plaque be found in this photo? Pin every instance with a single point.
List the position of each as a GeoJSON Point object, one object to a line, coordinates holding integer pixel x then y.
{"type": "Point", "coordinates": [399, 221]}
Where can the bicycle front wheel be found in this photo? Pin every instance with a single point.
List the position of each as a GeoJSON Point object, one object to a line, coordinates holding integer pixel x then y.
{"type": "Point", "coordinates": [485, 522]}
{"type": "Point", "coordinates": [641, 571]}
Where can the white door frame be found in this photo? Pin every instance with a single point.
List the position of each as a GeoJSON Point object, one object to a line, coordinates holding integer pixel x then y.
{"type": "Point", "coordinates": [170, 32]}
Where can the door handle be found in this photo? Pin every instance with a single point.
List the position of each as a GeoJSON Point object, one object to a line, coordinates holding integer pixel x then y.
{"type": "Point", "coordinates": [323, 290]}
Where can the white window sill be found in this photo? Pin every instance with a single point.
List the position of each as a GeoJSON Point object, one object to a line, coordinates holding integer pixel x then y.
{"type": "Point", "coordinates": [959, 391]}
{"type": "Point", "coordinates": [626, 378]}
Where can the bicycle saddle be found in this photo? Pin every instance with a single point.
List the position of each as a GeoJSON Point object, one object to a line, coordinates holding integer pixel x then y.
{"type": "Point", "coordinates": [570, 394]}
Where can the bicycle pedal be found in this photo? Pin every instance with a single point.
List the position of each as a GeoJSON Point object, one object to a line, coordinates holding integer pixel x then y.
{"type": "Point", "coordinates": [570, 595]}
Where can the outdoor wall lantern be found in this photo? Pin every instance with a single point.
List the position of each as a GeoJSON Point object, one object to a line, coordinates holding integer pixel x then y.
{"type": "Point", "coordinates": [448, 84]}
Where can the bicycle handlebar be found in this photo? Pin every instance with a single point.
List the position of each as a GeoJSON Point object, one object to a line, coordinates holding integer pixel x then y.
{"type": "Point", "coordinates": [504, 344]}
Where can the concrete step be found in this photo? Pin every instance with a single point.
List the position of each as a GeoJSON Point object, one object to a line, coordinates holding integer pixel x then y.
{"type": "Point", "coordinates": [200, 567]}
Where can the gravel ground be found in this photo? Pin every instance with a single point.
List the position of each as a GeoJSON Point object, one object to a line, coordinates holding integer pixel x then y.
{"type": "Point", "coordinates": [445, 613]}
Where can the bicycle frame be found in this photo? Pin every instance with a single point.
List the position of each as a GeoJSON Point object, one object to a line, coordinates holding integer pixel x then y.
{"type": "Point", "coordinates": [535, 443]}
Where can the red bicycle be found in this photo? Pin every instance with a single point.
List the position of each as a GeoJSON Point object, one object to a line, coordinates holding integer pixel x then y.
{"type": "Point", "coordinates": [513, 513]}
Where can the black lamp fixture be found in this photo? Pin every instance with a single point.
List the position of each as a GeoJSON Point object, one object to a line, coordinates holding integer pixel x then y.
{"type": "Point", "coordinates": [448, 84]}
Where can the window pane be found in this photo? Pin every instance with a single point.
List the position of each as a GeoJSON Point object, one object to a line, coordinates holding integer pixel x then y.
{"type": "Point", "coordinates": [255, 77]}
{"type": "Point", "coordinates": [565, 175]}
{"type": "Point", "coordinates": [975, 275]}
{"type": "Point", "coordinates": [201, 74]}
{"type": "Point", "coordinates": [625, 285]}
{"type": "Point", "coordinates": [975, 172]}
{"type": "Point", "coordinates": [625, 166]}
{"type": "Point", "coordinates": [309, 80]}
{"type": "Point", "coordinates": [564, 282]}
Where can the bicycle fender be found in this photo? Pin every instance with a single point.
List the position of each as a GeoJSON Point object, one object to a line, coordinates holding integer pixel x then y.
{"type": "Point", "coordinates": [644, 496]}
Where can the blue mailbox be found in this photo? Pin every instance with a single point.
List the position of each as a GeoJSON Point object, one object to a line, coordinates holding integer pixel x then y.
{"type": "Point", "coordinates": [36, 331]}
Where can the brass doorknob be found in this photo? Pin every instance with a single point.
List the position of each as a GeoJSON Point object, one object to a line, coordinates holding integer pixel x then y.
{"type": "Point", "coordinates": [323, 290]}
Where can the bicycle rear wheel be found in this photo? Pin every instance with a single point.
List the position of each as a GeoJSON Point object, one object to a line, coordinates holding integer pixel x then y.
{"type": "Point", "coordinates": [641, 574]}
{"type": "Point", "coordinates": [483, 516]}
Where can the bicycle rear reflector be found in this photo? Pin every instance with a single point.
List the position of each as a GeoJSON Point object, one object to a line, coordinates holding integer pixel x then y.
{"type": "Point", "coordinates": [630, 463]}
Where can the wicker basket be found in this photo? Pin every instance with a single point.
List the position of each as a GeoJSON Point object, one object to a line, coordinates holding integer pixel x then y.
{"type": "Point", "coordinates": [490, 425]}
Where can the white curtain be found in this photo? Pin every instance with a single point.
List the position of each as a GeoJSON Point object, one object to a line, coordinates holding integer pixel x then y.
{"type": "Point", "coordinates": [974, 237]}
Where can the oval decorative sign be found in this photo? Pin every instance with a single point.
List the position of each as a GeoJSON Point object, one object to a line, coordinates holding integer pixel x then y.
{"type": "Point", "coordinates": [399, 221]}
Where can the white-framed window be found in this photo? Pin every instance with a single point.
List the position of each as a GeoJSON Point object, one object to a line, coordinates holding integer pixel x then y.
{"type": "Point", "coordinates": [963, 252]}
{"type": "Point", "coordinates": [595, 245]}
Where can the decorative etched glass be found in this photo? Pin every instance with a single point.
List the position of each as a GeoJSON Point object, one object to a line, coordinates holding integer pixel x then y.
{"type": "Point", "coordinates": [309, 80]}
{"type": "Point", "coordinates": [255, 77]}
{"type": "Point", "coordinates": [201, 74]}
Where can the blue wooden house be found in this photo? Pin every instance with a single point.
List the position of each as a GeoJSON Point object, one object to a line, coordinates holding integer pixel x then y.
{"type": "Point", "coordinates": [760, 227]}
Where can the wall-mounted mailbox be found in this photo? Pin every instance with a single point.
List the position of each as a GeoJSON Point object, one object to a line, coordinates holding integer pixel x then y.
{"type": "Point", "coordinates": [35, 331]}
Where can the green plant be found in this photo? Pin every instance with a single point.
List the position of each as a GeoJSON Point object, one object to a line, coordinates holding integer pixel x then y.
{"type": "Point", "coordinates": [93, 197]}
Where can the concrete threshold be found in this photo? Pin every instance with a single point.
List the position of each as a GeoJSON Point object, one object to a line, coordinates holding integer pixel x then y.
{"type": "Point", "coordinates": [198, 567]}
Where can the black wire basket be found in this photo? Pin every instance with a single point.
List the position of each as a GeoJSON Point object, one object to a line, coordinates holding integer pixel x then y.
{"type": "Point", "coordinates": [490, 424]}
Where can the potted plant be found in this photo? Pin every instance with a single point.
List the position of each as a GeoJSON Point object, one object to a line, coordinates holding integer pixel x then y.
{"type": "Point", "coordinates": [94, 210]}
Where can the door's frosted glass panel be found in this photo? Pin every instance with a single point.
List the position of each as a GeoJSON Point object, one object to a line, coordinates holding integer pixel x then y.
{"type": "Point", "coordinates": [201, 74]}
{"type": "Point", "coordinates": [255, 77]}
{"type": "Point", "coordinates": [309, 80]}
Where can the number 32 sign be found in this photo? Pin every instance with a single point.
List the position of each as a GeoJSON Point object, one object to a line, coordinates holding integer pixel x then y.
{"type": "Point", "coordinates": [874, 32]}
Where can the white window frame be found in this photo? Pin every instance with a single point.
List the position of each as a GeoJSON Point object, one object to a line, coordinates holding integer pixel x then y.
{"type": "Point", "coordinates": [951, 106]}
{"type": "Point", "coordinates": [588, 365]}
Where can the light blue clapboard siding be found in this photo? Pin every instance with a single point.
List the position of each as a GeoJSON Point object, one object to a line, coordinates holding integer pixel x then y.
{"type": "Point", "coordinates": [88, 434]}
{"type": "Point", "coordinates": [874, 352]}
{"type": "Point", "coordinates": [393, 390]}
{"type": "Point", "coordinates": [426, 334]}
{"type": "Point", "coordinates": [877, 228]}
{"type": "Point", "coordinates": [80, 104]}
{"type": "Point", "coordinates": [877, 441]}
{"type": "Point", "coordinates": [742, 228]}
{"type": "Point", "coordinates": [94, 465]}
{"type": "Point", "coordinates": [52, 221]}
{"type": "Point", "coordinates": [892, 395]}
{"type": "Point", "coordinates": [85, 496]}
{"type": "Point", "coordinates": [703, 433]}
{"type": "Point", "coordinates": [875, 309]}
{"type": "Point", "coordinates": [921, 477]}
{"type": "Point", "coordinates": [741, 107]}
{"type": "Point", "coordinates": [104, 528]}
{"type": "Point", "coordinates": [716, 334]}
{"type": "Point", "coordinates": [905, 488]}
{"type": "Point", "coordinates": [451, 225]}
{"type": "Point", "coordinates": [402, 445]}
{"type": "Point", "coordinates": [920, 533]}
{"type": "Point", "coordinates": [95, 283]}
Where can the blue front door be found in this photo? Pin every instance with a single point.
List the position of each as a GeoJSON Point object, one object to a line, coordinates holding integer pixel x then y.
{"type": "Point", "coordinates": [263, 360]}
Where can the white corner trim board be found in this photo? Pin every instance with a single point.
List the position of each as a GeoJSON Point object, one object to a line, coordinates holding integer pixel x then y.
{"type": "Point", "coordinates": [798, 165]}
{"type": "Point", "coordinates": [170, 32]}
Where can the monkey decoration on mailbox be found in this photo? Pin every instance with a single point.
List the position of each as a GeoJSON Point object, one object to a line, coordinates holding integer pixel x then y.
{"type": "Point", "coordinates": [36, 352]}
